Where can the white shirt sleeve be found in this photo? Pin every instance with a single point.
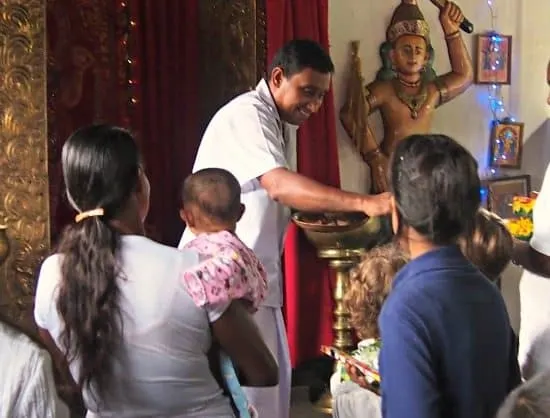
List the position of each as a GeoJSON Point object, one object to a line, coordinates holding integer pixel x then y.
{"type": "Point", "coordinates": [44, 301]}
{"type": "Point", "coordinates": [246, 140]}
{"type": "Point", "coordinates": [541, 221]}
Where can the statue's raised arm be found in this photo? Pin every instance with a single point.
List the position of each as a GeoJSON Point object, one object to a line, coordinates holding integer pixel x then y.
{"type": "Point", "coordinates": [461, 75]}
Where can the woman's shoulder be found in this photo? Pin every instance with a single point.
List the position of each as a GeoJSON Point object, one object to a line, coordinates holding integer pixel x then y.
{"type": "Point", "coordinates": [144, 253]}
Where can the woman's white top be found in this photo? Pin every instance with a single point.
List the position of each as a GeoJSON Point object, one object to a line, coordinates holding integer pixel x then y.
{"type": "Point", "coordinates": [534, 334]}
{"type": "Point", "coordinates": [161, 368]}
{"type": "Point", "coordinates": [27, 387]}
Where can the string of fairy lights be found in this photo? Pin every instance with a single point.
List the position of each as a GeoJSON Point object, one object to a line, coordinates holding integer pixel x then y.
{"type": "Point", "coordinates": [496, 100]}
{"type": "Point", "coordinates": [129, 25]}
{"type": "Point", "coordinates": [498, 109]}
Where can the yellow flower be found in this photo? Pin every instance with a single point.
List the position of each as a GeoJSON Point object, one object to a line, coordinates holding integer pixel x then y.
{"type": "Point", "coordinates": [521, 228]}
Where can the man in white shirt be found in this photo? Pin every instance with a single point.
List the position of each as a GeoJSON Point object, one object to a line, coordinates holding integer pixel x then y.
{"type": "Point", "coordinates": [254, 137]}
{"type": "Point", "coordinates": [534, 288]}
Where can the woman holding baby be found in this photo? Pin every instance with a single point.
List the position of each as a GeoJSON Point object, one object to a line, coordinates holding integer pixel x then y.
{"type": "Point", "coordinates": [112, 306]}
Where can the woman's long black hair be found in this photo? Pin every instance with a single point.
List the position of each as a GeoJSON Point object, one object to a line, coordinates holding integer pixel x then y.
{"type": "Point", "coordinates": [436, 187]}
{"type": "Point", "coordinates": [101, 170]}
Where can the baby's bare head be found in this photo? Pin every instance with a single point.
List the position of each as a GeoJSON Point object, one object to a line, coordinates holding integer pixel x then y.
{"type": "Point", "coordinates": [211, 199]}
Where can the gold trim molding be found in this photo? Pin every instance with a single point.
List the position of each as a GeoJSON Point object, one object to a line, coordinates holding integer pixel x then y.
{"type": "Point", "coordinates": [24, 202]}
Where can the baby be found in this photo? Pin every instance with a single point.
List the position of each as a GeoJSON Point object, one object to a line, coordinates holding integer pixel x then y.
{"type": "Point", "coordinates": [228, 269]}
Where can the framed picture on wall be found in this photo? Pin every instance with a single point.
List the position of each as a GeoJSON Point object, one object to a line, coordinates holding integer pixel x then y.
{"type": "Point", "coordinates": [506, 144]}
{"type": "Point", "coordinates": [501, 191]}
{"type": "Point", "coordinates": [493, 59]}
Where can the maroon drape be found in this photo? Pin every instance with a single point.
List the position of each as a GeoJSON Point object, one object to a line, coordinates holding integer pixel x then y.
{"type": "Point", "coordinates": [164, 53]}
{"type": "Point", "coordinates": [86, 82]}
{"type": "Point", "coordinates": [308, 282]}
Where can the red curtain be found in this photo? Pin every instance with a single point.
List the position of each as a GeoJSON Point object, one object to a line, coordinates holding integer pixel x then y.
{"type": "Point", "coordinates": [86, 82]}
{"type": "Point", "coordinates": [164, 52]}
{"type": "Point", "coordinates": [308, 282]}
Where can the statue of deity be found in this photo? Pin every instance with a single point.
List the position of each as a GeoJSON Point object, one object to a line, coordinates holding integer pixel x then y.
{"type": "Point", "coordinates": [406, 89]}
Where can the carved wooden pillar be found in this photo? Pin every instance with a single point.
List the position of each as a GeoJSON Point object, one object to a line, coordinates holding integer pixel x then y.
{"type": "Point", "coordinates": [233, 51]}
{"type": "Point", "coordinates": [24, 206]}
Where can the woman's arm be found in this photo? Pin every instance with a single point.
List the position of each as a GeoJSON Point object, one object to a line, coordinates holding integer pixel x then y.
{"type": "Point", "coordinates": [240, 338]}
{"type": "Point", "coordinates": [67, 387]}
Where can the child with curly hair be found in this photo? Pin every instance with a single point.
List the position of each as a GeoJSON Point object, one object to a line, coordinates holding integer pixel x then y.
{"type": "Point", "coordinates": [370, 284]}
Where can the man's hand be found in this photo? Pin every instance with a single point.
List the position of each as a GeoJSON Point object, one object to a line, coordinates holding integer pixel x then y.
{"type": "Point", "coordinates": [451, 17]}
{"type": "Point", "coordinates": [377, 205]}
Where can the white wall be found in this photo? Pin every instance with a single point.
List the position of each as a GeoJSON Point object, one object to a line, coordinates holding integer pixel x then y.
{"type": "Point", "coordinates": [466, 118]}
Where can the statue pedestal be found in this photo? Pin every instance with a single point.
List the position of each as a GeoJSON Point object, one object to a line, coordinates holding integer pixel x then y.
{"type": "Point", "coordinates": [341, 239]}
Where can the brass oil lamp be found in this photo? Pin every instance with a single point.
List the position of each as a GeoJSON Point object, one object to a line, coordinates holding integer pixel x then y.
{"type": "Point", "coordinates": [341, 239]}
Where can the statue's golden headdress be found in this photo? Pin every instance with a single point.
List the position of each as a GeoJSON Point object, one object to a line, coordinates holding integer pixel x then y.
{"type": "Point", "coordinates": [407, 19]}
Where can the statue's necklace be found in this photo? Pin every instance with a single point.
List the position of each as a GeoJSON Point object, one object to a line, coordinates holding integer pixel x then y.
{"type": "Point", "coordinates": [409, 83]}
{"type": "Point", "coordinates": [413, 101]}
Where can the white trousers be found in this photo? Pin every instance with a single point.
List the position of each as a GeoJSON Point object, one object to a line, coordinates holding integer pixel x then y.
{"type": "Point", "coordinates": [534, 331]}
{"type": "Point", "coordinates": [273, 402]}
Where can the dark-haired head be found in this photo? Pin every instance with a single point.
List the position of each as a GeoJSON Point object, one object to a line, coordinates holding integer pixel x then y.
{"type": "Point", "coordinates": [105, 184]}
{"type": "Point", "coordinates": [299, 77]}
{"type": "Point", "coordinates": [489, 245]}
{"type": "Point", "coordinates": [211, 201]}
{"type": "Point", "coordinates": [435, 189]}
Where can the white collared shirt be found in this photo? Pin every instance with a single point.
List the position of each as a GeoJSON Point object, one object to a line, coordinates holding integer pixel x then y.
{"type": "Point", "coordinates": [248, 138]}
{"type": "Point", "coordinates": [541, 221]}
{"type": "Point", "coordinates": [534, 292]}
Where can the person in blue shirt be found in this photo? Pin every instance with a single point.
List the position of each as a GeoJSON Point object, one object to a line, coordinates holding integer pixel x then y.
{"type": "Point", "coordinates": [448, 349]}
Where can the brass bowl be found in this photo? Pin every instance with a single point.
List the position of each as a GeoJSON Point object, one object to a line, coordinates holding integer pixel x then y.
{"type": "Point", "coordinates": [354, 231]}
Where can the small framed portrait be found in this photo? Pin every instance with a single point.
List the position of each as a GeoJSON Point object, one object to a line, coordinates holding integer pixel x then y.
{"type": "Point", "coordinates": [493, 59]}
{"type": "Point", "coordinates": [506, 144]}
{"type": "Point", "coordinates": [501, 190]}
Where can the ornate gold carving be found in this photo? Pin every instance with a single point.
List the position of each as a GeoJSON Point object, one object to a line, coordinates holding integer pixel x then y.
{"type": "Point", "coordinates": [232, 45]}
{"type": "Point", "coordinates": [23, 163]}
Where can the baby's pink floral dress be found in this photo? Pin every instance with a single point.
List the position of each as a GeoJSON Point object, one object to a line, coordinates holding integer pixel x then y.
{"type": "Point", "coordinates": [228, 270]}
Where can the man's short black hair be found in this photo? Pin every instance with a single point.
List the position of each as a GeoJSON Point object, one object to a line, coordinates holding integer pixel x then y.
{"type": "Point", "coordinates": [299, 54]}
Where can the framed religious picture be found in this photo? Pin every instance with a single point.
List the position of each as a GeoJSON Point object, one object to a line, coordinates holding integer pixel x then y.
{"type": "Point", "coordinates": [506, 144]}
{"type": "Point", "coordinates": [501, 191]}
{"type": "Point", "coordinates": [493, 59]}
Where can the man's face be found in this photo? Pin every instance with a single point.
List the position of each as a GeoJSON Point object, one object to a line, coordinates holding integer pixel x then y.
{"type": "Point", "coordinates": [409, 54]}
{"type": "Point", "coordinates": [300, 95]}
